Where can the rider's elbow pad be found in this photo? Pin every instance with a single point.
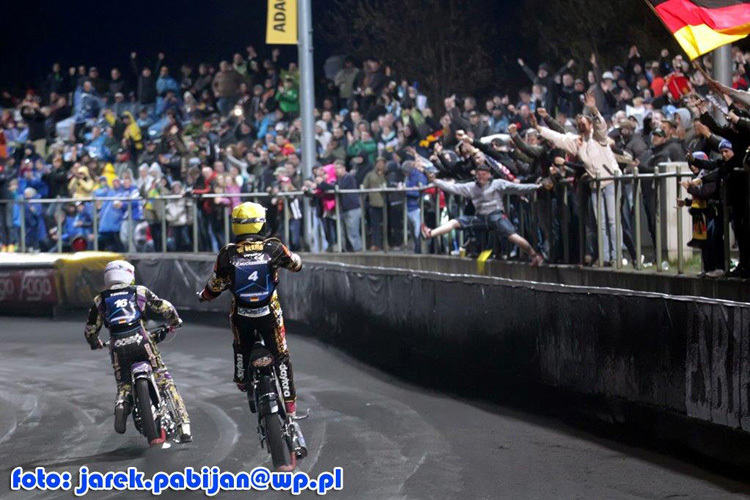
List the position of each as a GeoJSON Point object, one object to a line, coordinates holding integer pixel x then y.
{"type": "Point", "coordinates": [296, 262]}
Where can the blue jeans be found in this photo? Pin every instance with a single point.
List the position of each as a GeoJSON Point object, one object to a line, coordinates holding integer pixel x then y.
{"type": "Point", "coordinates": [318, 242]}
{"type": "Point", "coordinates": [607, 224]}
{"type": "Point", "coordinates": [415, 222]}
{"type": "Point", "coordinates": [352, 219]}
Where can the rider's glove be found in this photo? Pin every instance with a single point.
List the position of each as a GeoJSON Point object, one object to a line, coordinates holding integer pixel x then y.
{"type": "Point", "coordinates": [201, 298]}
{"type": "Point", "coordinates": [173, 326]}
{"type": "Point", "coordinates": [98, 345]}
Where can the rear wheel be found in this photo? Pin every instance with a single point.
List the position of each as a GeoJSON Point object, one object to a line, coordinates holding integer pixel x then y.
{"type": "Point", "coordinates": [148, 426]}
{"type": "Point", "coordinates": [281, 457]}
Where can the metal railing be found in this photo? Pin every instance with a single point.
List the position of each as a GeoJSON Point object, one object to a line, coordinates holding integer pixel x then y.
{"type": "Point", "coordinates": [206, 237]}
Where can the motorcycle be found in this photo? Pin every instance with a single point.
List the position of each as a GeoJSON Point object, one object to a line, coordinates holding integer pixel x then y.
{"type": "Point", "coordinates": [279, 433]}
{"type": "Point", "coordinates": [154, 410]}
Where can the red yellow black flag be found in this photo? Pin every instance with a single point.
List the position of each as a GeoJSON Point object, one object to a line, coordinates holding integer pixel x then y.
{"type": "Point", "coordinates": [702, 25]}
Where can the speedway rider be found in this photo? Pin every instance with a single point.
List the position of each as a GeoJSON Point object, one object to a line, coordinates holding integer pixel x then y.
{"type": "Point", "coordinates": [249, 270]}
{"type": "Point", "coordinates": [121, 308]}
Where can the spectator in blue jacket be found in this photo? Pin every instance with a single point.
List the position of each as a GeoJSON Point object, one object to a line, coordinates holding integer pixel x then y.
{"type": "Point", "coordinates": [83, 222]}
{"type": "Point", "coordinates": [415, 179]}
{"type": "Point", "coordinates": [165, 83]}
{"type": "Point", "coordinates": [351, 211]}
{"type": "Point", "coordinates": [35, 229]}
{"type": "Point", "coordinates": [31, 178]}
{"type": "Point", "coordinates": [110, 218]}
{"type": "Point", "coordinates": [130, 192]}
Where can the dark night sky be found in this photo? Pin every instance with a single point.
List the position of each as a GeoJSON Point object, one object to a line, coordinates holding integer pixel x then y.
{"type": "Point", "coordinates": [103, 33]}
{"type": "Point", "coordinates": [36, 33]}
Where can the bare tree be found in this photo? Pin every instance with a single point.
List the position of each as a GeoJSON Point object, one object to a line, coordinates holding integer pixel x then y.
{"type": "Point", "coordinates": [576, 28]}
{"type": "Point", "coordinates": [442, 44]}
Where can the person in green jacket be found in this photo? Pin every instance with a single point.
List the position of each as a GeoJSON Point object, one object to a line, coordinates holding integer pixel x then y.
{"type": "Point", "coordinates": [288, 98]}
{"type": "Point", "coordinates": [366, 144]}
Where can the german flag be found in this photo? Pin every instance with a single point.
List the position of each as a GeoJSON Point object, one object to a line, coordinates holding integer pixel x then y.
{"type": "Point", "coordinates": [702, 25]}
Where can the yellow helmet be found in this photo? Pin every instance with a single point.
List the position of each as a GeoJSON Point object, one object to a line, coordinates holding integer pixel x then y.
{"type": "Point", "coordinates": [248, 218]}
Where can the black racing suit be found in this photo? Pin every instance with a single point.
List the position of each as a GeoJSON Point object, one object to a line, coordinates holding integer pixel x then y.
{"type": "Point", "coordinates": [250, 270]}
{"type": "Point", "coordinates": [121, 309]}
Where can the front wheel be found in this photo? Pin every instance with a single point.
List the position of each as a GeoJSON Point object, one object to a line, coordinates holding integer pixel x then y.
{"type": "Point", "coordinates": [281, 457]}
{"type": "Point", "coordinates": [148, 426]}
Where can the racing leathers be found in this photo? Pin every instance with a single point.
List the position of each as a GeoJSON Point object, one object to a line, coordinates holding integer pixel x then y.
{"type": "Point", "coordinates": [122, 309]}
{"type": "Point", "coordinates": [249, 269]}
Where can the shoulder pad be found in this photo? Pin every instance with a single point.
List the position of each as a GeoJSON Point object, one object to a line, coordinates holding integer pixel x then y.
{"type": "Point", "coordinates": [272, 241]}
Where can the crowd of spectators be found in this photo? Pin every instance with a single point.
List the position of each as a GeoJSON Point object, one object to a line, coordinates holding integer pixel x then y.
{"type": "Point", "coordinates": [208, 134]}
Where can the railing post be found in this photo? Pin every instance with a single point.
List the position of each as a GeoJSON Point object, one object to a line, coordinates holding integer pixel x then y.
{"type": "Point", "coordinates": [405, 221]}
{"type": "Point", "coordinates": [680, 257]}
{"type": "Point", "coordinates": [599, 232]}
{"type": "Point", "coordinates": [461, 239]}
{"type": "Point", "coordinates": [449, 208]}
{"type": "Point", "coordinates": [522, 220]}
{"type": "Point", "coordinates": [96, 225]}
{"type": "Point", "coordinates": [422, 245]}
{"type": "Point", "coordinates": [725, 223]}
{"type": "Point", "coordinates": [384, 226]}
{"type": "Point", "coordinates": [227, 215]}
{"type": "Point", "coordinates": [131, 226]}
{"type": "Point", "coordinates": [618, 221]}
{"type": "Point", "coordinates": [566, 223]}
{"type": "Point", "coordinates": [637, 210]}
{"type": "Point", "coordinates": [195, 202]}
{"type": "Point", "coordinates": [362, 226]}
{"type": "Point", "coordinates": [163, 223]}
{"type": "Point", "coordinates": [339, 236]}
{"type": "Point", "coordinates": [287, 241]}
{"type": "Point", "coordinates": [23, 226]}
{"type": "Point", "coordinates": [583, 210]}
{"type": "Point", "coordinates": [437, 241]}
{"type": "Point", "coordinates": [59, 229]}
{"type": "Point", "coordinates": [657, 179]}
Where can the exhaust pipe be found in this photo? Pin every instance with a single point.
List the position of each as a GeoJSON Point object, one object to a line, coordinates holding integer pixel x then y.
{"type": "Point", "coordinates": [299, 447]}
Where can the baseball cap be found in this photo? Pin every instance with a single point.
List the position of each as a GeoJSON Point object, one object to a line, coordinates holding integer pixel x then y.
{"type": "Point", "coordinates": [608, 75]}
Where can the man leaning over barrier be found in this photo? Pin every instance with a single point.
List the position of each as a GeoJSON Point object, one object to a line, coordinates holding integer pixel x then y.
{"type": "Point", "coordinates": [487, 196]}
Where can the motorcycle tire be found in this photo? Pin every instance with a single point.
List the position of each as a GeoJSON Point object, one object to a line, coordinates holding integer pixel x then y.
{"type": "Point", "coordinates": [281, 456]}
{"type": "Point", "coordinates": [148, 426]}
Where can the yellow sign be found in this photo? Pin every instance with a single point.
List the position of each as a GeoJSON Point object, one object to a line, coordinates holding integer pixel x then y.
{"type": "Point", "coordinates": [82, 276]}
{"type": "Point", "coordinates": [282, 22]}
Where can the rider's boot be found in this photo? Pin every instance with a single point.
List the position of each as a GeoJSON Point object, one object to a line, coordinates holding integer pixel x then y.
{"type": "Point", "coordinates": [122, 410]}
{"type": "Point", "coordinates": [185, 435]}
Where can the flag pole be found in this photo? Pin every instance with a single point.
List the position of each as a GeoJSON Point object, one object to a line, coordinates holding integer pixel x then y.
{"type": "Point", "coordinates": [722, 65]}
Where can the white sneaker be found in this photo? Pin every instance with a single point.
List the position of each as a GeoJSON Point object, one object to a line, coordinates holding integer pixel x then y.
{"type": "Point", "coordinates": [718, 273]}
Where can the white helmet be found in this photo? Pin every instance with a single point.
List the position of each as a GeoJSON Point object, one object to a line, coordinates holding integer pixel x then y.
{"type": "Point", "coordinates": [119, 272]}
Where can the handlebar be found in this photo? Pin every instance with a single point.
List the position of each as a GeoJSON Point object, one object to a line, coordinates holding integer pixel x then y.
{"type": "Point", "coordinates": [157, 334]}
